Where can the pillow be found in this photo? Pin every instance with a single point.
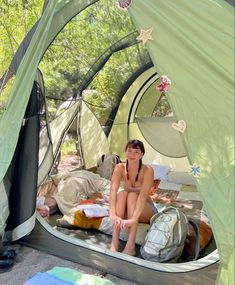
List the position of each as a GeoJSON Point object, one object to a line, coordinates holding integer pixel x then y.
{"type": "Point", "coordinates": [166, 185]}
{"type": "Point", "coordinates": [181, 178]}
{"type": "Point", "coordinates": [160, 171]}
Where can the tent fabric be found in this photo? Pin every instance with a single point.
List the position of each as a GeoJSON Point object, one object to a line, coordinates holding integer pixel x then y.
{"type": "Point", "coordinates": [10, 124]}
{"type": "Point", "coordinates": [23, 170]}
{"type": "Point", "coordinates": [11, 120]}
{"type": "Point", "coordinates": [138, 101]}
{"type": "Point", "coordinates": [4, 208]}
{"type": "Point", "coordinates": [193, 44]}
{"type": "Point", "coordinates": [93, 140]}
{"type": "Point", "coordinates": [93, 146]}
{"type": "Point", "coordinates": [162, 136]}
{"type": "Point", "coordinates": [50, 144]}
{"type": "Point", "coordinates": [49, 25]}
{"type": "Point", "coordinates": [126, 111]}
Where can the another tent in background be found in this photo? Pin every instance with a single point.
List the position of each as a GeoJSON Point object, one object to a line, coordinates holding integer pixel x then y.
{"type": "Point", "coordinates": [194, 46]}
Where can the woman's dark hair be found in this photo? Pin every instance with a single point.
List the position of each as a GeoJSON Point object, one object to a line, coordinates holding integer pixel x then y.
{"type": "Point", "coordinates": [136, 144]}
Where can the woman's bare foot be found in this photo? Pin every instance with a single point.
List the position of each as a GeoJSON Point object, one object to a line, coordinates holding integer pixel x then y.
{"type": "Point", "coordinates": [114, 245]}
{"type": "Point", "coordinates": [131, 252]}
{"type": "Point", "coordinates": [112, 248]}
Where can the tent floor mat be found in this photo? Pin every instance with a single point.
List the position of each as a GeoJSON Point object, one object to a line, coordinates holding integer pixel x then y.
{"type": "Point", "coordinates": [47, 239]}
{"type": "Point", "coordinates": [95, 237]}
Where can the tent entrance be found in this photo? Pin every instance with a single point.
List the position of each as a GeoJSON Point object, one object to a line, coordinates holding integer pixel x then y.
{"type": "Point", "coordinates": [46, 238]}
{"type": "Point", "coordinates": [76, 244]}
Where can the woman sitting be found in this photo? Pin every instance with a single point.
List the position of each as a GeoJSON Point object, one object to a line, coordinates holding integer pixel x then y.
{"type": "Point", "coordinates": [132, 204]}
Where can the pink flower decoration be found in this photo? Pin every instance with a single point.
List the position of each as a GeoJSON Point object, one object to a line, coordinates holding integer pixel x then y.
{"type": "Point", "coordinates": [165, 82]}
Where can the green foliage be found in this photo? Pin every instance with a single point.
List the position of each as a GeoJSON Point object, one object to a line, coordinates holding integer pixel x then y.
{"type": "Point", "coordinates": [17, 17]}
{"type": "Point", "coordinates": [111, 79]}
{"type": "Point", "coordinates": [80, 43]}
{"type": "Point", "coordinates": [77, 48]}
{"type": "Point", "coordinates": [69, 146]}
{"type": "Point", "coordinates": [75, 52]}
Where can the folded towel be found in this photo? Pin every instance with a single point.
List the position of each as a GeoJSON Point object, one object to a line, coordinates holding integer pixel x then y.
{"type": "Point", "coordinates": [93, 210]}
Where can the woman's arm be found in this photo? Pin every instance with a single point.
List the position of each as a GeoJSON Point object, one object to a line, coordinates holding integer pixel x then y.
{"type": "Point", "coordinates": [115, 183]}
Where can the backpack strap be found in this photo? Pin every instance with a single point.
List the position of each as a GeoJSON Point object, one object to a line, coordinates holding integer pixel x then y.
{"type": "Point", "coordinates": [197, 240]}
{"type": "Point", "coordinates": [117, 159]}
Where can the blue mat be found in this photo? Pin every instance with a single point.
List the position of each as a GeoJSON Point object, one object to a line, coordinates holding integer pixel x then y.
{"type": "Point", "coordinates": [46, 279]}
{"type": "Point", "coordinates": [66, 276]}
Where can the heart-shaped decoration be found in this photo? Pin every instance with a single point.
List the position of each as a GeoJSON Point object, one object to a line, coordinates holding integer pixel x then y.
{"type": "Point", "coordinates": [180, 126]}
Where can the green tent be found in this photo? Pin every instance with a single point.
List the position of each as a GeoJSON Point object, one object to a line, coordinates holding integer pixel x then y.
{"type": "Point", "coordinates": [190, 42]}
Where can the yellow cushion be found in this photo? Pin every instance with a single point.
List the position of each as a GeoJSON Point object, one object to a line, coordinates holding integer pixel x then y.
{"type": "Point", "coordinates": [81, 221]}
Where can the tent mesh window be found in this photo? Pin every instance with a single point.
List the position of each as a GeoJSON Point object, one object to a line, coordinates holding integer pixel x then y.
{"type": "Point", "coordinates": [93, 58]}
{"type": "Point", "coordinates": [96, 74]}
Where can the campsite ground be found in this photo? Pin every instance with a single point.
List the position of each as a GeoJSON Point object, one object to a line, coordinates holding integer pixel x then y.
{"type": "Point", "coordinates": [30, 261]}
{"type": "Point", "coordinates": [68, 162]}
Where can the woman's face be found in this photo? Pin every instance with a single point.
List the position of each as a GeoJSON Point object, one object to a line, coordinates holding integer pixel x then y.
{"type": "Point", "coordinates": [133, 154]}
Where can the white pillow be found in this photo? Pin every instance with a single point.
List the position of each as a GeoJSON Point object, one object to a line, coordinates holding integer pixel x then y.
{"type": "Point", "coordinates": [165, 185]}
{"type": "Point", "coordinates": [160, 171]}
{"type": "Point", "coordinates": [181, 178]}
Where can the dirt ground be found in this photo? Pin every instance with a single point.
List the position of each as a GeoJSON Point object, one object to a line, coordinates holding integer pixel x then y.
{"type": "Point", "coordinates": [30, 261]}
{"type": "Point", "coordinates": [68, 162]}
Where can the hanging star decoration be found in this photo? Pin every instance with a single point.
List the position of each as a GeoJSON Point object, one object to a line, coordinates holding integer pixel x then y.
{"type": "Point", "coordinates": [124, 4]}
{"type": "Point", "coordinates": [145, 35]}
{"type": "Point", "coordinates": [195, 170]}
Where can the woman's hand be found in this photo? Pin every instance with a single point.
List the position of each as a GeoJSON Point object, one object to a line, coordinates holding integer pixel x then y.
{"type": "Point", "coordinates": [121, 223]}
{"type": "Point", "coordinates": [116, 220]}
{"type": "Point", "coordinates": [127, 223]}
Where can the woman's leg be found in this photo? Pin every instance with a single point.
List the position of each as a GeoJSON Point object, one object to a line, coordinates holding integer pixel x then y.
{"type": "Point", "coordinates": [131, 204]}
{"type": "Point", "coordinates": [120, 212]}
{"type": "Point", "coordinates": [144, 218]}
{"type": "Point", "coordinates": [147, 214]}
